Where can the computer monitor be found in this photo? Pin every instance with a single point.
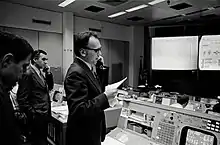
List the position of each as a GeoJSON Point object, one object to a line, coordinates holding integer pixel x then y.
{"type": "Point", "coordinates": [194, 136]}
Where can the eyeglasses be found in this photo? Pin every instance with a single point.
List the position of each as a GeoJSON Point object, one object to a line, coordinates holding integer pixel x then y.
{"type": "Point", "coordinates": [96, 50]}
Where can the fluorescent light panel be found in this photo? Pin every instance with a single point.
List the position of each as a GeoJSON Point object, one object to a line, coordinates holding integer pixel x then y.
{"type": "Point", "coordinates": [211, 8]}
{"type": "Point", "coordinates": [136, 8]}
{"type": "Point", "coordinates": [156, 2]}
{"type": "Point", "coordinates": [65, 3]}
{"type": "Point", "coordinates": [117, 14]}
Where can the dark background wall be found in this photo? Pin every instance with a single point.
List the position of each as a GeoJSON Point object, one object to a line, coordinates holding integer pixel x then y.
{"type": "Point", "coordinates": [194, 82]}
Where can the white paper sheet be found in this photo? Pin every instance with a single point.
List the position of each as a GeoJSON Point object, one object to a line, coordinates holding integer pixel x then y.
{"type": "Point", "coordinates": [115, 85]}
{"type": "Point", "coordinates": [60, 109]}
{"type": "Point", "coordinates": [114, 101]}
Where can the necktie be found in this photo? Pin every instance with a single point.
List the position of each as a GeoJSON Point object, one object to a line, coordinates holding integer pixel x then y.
{"type": "Point", "coordinates": [42, 76]}
{"type": "Point", "coordinates": [95, 74]}
{"type": "Point", "coordinates": [94, 71]}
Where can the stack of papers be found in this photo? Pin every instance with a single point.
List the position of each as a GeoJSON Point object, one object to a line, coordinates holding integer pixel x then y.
{"type": "Point", "coordinates": [114, 101]}
{"type": "Point", "coordinates": [60, 110]}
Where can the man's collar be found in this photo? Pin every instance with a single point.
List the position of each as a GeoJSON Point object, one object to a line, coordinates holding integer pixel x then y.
{"type": "Point", "coordinates": [89, 65]}
{"type": "Point", "coordinates": [35, 69]}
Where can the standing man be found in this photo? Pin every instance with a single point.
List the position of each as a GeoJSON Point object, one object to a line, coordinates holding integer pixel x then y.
{"type": "Point", "coordinates": [182, 101]}
{"type": "Point", "coordinates": [14, 53]}
{"type": "Point", "coordinates": [85, 99]}
{"type": "Point", "coordinates": [33, 96]}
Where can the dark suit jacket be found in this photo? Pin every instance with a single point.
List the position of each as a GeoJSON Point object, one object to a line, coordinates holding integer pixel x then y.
{"type": "Point", "coordinates": [86, 103]}
{"type": "Point", "coordinates": [9, 131]}
{"type": "Point", "coordinates": [33, 93]}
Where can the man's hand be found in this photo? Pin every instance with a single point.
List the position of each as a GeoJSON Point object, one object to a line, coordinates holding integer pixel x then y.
{"type": "Point", "coordinates": [111, 93]}
{"type": "Point", "coordinates": [46, 69]}
{"type": "Point", "coordinates": [101, 59]}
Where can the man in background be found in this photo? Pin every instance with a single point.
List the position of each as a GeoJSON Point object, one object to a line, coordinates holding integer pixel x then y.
{"type": "Point", "coordinates": [216, 107]}
{"type": "Point", "coordinates": [85, 98]}
{"type": "Point", "coordinates": [33, 96]}
{"type": "Point", "coordinates": [14, 53]}
{"type": "Point", "coordinates": [182, 101]}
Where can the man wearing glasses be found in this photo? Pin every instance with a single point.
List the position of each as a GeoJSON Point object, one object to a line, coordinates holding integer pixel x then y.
{"type": "Point", "coordinates": [85, 98]}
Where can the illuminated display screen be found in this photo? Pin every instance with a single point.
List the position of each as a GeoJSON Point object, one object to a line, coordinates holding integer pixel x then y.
{"type": "Point", "coordinates": [198, 138]}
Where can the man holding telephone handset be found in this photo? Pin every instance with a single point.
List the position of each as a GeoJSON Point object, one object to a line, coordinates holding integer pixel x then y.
{"type": "Point", "coordinates": [33, 96]}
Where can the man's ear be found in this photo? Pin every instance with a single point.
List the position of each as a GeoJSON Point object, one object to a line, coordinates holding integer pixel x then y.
{"type": "Point", "coordinates": [7, 60]}
{"type": "Point", "coordinates": [83, 52]}
{"type": "Point", "coordinates": [35, 59]}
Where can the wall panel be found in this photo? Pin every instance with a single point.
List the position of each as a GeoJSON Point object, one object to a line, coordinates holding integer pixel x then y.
{"type": "Point", "coordinates": [52, 44]}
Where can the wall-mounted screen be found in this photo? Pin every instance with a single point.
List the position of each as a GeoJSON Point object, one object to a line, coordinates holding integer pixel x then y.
{"type": "Point", "coordinates": [209, 52]}
{"type": "Point", "coordinates": [175, 53]}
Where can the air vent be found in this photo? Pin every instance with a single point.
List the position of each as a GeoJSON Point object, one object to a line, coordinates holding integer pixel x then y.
{"type": "Point", "coordinates": [181, 6]}
{"type": "Point", "coordinates": [113, 2]}
{"type": "Point", "coordinates": [94, 9]}
{"type": "Point", "coordinates": [41, 22]}
{"type": "Point", "coordinates": [135, 18]}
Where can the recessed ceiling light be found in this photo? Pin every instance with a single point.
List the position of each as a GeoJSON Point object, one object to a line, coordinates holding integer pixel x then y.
{"type": "Point", "coordinates": [117, 14]}
{"type": "Point", "coordinates": [136, 8]}
{"type": "Point", "coordinates": [156, 2]}
{"type": "Point", "coordinates": [65, 3]}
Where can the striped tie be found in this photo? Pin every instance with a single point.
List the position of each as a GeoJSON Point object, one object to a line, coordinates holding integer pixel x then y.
{"type": "Point", "coordinates": [42, 76]}
{"type": "Point", "coordinates": [94, 71]}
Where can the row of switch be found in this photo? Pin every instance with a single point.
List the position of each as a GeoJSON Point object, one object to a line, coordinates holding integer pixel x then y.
{"type": "Point", "coordinates": [217, 123]}
{"type": "Point", "coordinates": [212, 125]}
{"type": "Point", "coordinates": [213, 129]}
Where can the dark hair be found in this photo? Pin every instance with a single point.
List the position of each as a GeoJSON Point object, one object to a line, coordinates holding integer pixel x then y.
{"type": "Point", "coordinates": [81, 40]}
{"type": "Point", "coordinates": [36, 54]}
{"type": "Point", "coordinates": [183, 99]}
{"type": "Point", "coordinates": [54, 95]}
{"type": "Point", "coordinates": [14, 44]}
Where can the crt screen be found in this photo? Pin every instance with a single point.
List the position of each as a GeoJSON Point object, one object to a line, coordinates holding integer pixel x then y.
{"type": "Point", "coordinates": [198, 138]}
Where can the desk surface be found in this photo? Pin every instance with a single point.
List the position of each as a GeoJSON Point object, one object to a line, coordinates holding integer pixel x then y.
{"type": "Point", "coordinates": [60, 112]}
